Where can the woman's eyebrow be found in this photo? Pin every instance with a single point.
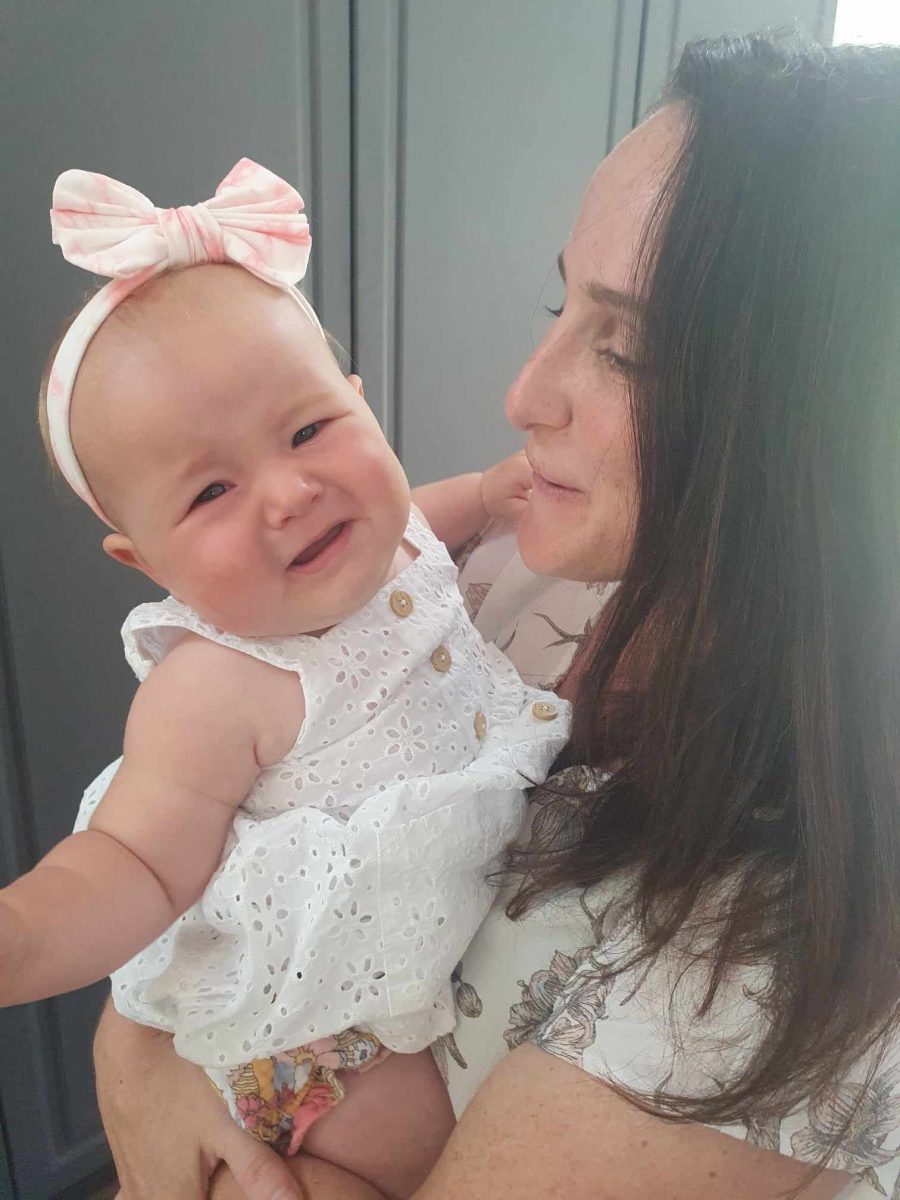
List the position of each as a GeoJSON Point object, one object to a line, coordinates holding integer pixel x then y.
{"type": "Point", "coordinates": [601, 294]}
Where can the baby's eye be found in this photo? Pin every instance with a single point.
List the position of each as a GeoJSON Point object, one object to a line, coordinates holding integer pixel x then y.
{"type": "Point", "coordinates": [306, 433]}
{"type": "Point", "coordinates": [213, 492]}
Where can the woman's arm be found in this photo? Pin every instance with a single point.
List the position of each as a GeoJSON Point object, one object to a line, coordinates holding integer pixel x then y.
{"type": "Point", "coordinates": [457, 508]}
{"type": "Point", "coordinates": [100, 896]}
{"type": "Point", "coordinates": [538, 1128]}
{"type": "Point", "coordinates": [541, 1127]}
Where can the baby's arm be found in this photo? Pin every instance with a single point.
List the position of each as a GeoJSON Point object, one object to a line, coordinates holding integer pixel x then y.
{"type": "Point", "coordinates": [198, 733]}
{"type": "Point", "coordinates": [457, 508]}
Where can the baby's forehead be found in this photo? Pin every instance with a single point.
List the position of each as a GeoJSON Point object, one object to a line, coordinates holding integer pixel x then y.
{"type": "Point", "coordinates": [215, 291]}
{"type": "Point", "coordinates": [193, 319]}
{"type": "Point", "coordinates": [168, 361]}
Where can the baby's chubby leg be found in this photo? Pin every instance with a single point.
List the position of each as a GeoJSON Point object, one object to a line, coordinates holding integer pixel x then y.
{"type": "Point", "coordinates": [391, 1126]}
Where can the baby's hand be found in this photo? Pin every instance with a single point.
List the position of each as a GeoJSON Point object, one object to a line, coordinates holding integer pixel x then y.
{"type": "Point", "coordinates": [505, 488]}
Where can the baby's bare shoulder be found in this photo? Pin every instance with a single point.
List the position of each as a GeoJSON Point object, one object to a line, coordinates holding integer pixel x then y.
{"type": "Point", "coordinates": [214, 687]}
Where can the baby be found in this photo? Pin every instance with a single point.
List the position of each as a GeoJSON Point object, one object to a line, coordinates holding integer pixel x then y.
{"type": "Point", "coordinates": [323, 760]}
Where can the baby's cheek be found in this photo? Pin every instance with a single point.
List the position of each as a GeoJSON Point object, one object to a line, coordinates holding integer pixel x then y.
{"type": "Point", "coordinates": [219, 554]}
{"type": "Point", "coordinates": [221, 570]}
{"type": "Point", "coordinates": [381, 474]}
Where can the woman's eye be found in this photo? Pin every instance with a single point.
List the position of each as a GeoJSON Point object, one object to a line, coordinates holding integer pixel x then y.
{"type": "Point", "coordinates": [622, 366]}
{"type": "Point", "coordinates": [306, 433]}
{"type": "Point", "coordinates": [213, 492]}
{"type": "Point", "coordinates": [554, 312]}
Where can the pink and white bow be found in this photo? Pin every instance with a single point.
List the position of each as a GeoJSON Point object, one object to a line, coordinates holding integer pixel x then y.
{"type": "Point", "coordinates": [255, 220]}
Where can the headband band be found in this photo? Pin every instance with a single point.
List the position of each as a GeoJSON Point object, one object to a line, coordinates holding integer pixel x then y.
{"type": "Point", "coordinates": [254, 220]}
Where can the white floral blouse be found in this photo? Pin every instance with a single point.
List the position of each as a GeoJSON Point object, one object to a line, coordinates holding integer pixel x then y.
{"type": "Point", "coordinates": [545, 978]}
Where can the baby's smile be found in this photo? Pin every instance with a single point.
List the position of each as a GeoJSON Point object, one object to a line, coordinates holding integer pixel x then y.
{"type": "Point", "coordinates": [322, 551]}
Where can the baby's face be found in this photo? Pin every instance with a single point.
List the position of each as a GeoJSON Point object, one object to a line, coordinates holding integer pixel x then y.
{"type": "Point", "coordinates": [248, 476]}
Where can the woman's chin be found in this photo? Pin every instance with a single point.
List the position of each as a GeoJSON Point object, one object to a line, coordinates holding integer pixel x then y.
{"type": "Point", "coordinates": [545, 550]}
{"type": "Point", "coordinates": [539, 551]}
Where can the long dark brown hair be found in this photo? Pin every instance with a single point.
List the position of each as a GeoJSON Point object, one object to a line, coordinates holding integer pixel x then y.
{"type": "Point", "coordinates": [762, 597]}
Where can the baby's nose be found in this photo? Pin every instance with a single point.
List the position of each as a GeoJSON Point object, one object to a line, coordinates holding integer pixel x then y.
{"type": "Point", "coordinates": [288, 493]}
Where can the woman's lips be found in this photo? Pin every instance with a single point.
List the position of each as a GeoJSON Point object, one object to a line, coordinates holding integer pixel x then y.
{"type": "Point", "coordinates": [547, 487]}
{"type": "Point", "coordinates": [323, 550]}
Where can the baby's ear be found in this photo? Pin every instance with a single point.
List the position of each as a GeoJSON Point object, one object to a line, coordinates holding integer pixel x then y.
{"type": "Point", "coordinates": [124, 551]}
{"type": "Point", "coordinates": [356, 383]}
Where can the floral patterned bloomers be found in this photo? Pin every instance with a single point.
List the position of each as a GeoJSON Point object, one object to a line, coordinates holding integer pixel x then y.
{"type": "Point", "coordinates": [545, 979]}
{"type": "Point", "coordinates": [355, 872]}
{"type": "Point", "coordinates": [278, 1098]}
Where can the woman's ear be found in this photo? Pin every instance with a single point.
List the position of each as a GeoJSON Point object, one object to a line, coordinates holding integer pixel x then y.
{"type": "Point", "coordinates": [356, 383]}
{"type": "Point", "coordinates": [124, 551]}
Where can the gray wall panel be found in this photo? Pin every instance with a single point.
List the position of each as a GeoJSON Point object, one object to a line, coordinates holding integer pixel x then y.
{"type": "Point", "coordinates": [507, 111]}
{"type": "Point", "coordinates": [325, 110]}
{"type": "Point", "coordinates": [627, 57]}
{"type": "Point", "coordinates": [379, 31]}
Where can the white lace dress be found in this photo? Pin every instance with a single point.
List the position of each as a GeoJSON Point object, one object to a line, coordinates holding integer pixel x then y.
{"type": "Point", "coordinates": [354, 874]}
{"type": "Point", "coordinates": [546, 978]}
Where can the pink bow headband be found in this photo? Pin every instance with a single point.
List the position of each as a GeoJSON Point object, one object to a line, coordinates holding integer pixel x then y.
{"type": "Point", "coordinates": [255, 220]}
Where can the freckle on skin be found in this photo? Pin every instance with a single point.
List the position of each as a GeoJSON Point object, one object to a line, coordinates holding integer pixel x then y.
{"type": "Point", "coordinates": [712, 1174]}
{"type": "Point", "coordinates": [643, 1143]}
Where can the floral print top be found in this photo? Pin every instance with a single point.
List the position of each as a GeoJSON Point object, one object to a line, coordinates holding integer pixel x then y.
{"type": "Point", "coordinates": [546, 977]}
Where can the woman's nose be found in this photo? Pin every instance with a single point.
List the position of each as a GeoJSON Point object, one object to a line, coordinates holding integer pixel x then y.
{"type": "Point", "coordinates": [538, 394]}
{"type": "Point", "coordinates": [286, 493]}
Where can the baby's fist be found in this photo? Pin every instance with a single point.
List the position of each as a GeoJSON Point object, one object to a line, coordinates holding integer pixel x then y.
{"type": "Point", "coordinates": [505, 488]}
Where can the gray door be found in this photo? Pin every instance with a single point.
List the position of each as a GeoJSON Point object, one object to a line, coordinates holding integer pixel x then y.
{"type": "Point", "coordinates": [441, 146]}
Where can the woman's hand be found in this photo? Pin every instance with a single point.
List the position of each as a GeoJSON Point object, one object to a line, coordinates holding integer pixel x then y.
{"type": "Point", "coordinates": [169, 1131]}
{"type": "Point", "coordinates": [505, 487]}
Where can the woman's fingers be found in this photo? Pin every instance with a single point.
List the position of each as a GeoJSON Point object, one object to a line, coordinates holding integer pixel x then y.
{"type": "Point", "coordinates": [258, 1172]}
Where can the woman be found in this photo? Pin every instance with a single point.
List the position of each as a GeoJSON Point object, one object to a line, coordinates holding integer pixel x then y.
{"type": "Point", "coordinates": [694, 967]}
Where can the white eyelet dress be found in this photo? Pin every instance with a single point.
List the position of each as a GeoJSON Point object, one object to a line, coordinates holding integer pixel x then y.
{"type": "Point", "coordinates": [355, 873]}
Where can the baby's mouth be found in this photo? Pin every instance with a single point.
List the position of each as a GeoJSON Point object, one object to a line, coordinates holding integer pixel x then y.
{"type": "Point", "coordinates": [314, 549]}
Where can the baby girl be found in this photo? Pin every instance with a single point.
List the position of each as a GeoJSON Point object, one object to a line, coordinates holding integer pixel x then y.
{"type": "Point", "coordinates": [323, 760]}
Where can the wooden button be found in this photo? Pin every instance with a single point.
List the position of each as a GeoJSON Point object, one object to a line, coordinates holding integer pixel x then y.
{"type": "Point", "coordinates": [544, 710]}
{"type": "Point", "coordinates": [480, 726]}
{"type": "Point", "coordinates": [441, 660]}
{"type": "Point", "coordinates": [401, 603]}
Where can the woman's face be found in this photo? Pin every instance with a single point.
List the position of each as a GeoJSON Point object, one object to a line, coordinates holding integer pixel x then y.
{"type": "Point", "coordinates": [571, 397]}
